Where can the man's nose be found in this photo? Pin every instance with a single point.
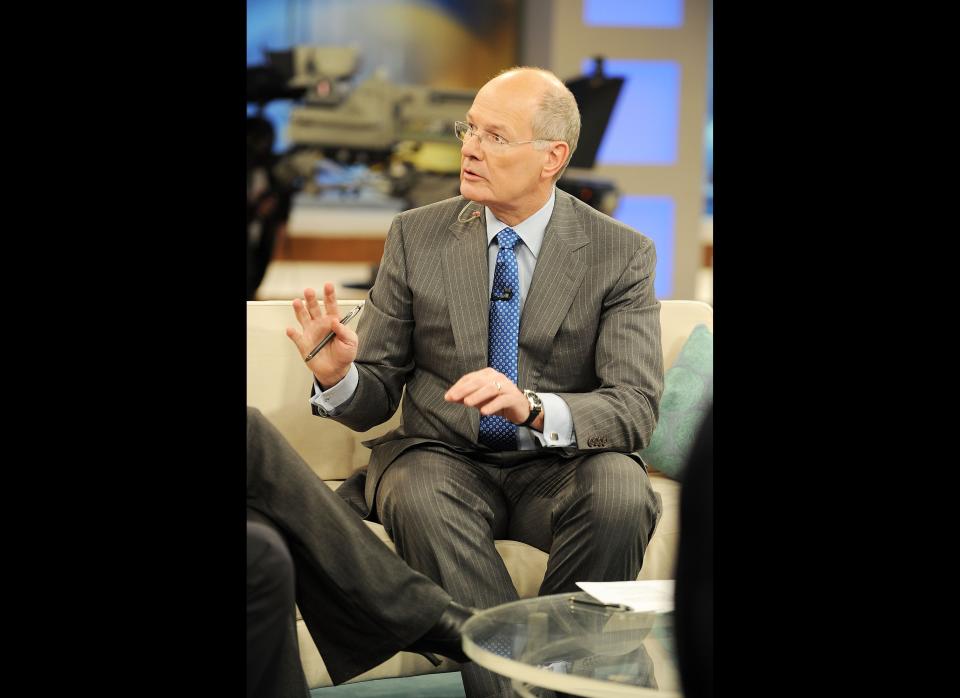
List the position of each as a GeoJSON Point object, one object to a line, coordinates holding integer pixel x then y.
{"type": "Point", "coordinates": [471, 148]}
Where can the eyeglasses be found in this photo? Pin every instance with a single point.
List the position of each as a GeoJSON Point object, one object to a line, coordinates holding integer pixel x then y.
{"type": "Point", "coordinates": [465, 130]}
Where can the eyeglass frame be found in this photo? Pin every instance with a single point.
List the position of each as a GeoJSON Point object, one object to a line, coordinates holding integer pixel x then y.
{"type": "Point", "coordinates": [474, 131]}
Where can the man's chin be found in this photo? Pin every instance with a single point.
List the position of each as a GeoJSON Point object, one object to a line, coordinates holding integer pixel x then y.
{"type": "Point", "coordinates": [471, 191]}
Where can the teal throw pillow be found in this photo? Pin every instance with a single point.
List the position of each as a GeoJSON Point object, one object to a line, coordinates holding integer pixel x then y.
{"type": "Point", "coordinates": [687, 395]}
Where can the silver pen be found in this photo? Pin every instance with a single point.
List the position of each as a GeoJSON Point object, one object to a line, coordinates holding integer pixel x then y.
{"type": "Point", "coordinates": [326, 340]}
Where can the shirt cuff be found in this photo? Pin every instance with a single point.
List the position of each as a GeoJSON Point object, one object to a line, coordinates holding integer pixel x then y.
{"type": "Point", "coordinates": [557, 422]}
{"type": "Point", "coordinates": [328, 402]}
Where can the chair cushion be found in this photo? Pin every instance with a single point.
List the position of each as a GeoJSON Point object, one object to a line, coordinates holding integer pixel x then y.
{"type": "Point", "coordinates": [687, 394]}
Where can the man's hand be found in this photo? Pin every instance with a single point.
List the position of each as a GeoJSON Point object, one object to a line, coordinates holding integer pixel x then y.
{"type": "Point", "coordinates": [493, 393]}
{"type": "Point", "coordinates": [316, 321]}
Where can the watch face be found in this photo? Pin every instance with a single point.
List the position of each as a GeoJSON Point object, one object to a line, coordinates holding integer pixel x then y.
{"type": "Point", "coordinates": [535, 405]}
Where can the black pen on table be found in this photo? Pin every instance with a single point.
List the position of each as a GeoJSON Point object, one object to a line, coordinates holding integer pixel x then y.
{"type": "Point", "coordinates": [326, 340]}
{"type": "Point", "coordinates": [599, 604]}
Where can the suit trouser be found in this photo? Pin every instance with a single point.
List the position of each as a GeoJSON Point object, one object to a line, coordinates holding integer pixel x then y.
{"type": "Point", "coordinates": [361, 603]}
{"type": "Point", "coordinates": [273, 658]}
{"type": "Point", "coordinates": [593, 514]}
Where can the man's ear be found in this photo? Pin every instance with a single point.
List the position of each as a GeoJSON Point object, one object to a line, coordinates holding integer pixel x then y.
{"type": "Point", "coordinates": [556, 158]}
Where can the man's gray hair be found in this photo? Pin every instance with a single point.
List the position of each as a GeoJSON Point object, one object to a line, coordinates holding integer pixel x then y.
{"type": "Point", "coordinates": [558, 118]}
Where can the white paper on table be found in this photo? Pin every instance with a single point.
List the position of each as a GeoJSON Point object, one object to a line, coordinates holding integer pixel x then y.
{"type": "Point", "coordinates": [646, 595]}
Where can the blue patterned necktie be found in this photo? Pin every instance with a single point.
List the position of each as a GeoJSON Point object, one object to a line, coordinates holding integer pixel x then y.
{"type": "Point", "coordinates": [495, 431]}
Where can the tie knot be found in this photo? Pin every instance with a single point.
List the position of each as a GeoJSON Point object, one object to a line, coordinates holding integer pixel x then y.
{"type": "Point", "coordinates": [507, 238]}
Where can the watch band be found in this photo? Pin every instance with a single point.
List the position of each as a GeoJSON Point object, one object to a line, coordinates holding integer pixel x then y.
{"type": "Point", "coordinates": [536, 407]}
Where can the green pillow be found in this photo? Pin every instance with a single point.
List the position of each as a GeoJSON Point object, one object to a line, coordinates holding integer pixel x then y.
{"type": "Point", "coordinates": [687, 395]}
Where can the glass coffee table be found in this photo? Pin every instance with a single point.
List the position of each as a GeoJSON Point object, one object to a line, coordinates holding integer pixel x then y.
{"type": "Point", "coordinates": [570, 644]}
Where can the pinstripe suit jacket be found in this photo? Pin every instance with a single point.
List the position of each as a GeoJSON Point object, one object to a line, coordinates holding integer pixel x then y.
{"type": "Point", "coordinates": [589, 331]}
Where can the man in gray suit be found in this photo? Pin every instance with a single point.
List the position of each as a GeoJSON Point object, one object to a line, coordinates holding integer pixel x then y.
{"type": "Point", "coordinates": [524, 327]}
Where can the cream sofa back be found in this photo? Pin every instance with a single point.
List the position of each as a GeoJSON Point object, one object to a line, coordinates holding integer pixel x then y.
{"type": "Point", "coordinates": [278, 384]}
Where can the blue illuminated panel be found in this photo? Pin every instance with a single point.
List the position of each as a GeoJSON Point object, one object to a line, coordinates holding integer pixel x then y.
{"type": "Point", "coordinates": [643, 127]}
{"type": "Point", "coordinates": [639, 13]}
{"type": "Point", "coordinates": [654, 217]}
{"type": "Point", "coordinates": [266, 28]}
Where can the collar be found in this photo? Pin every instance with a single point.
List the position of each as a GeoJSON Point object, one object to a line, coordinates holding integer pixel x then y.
{"type": "Point", "coordinates": [530, 231]}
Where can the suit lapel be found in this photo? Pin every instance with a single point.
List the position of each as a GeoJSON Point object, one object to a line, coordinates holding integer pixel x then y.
{"type": "Point", "coordinates": [465, 274]}
{"type": "Point", "coordinates": [557, 277]}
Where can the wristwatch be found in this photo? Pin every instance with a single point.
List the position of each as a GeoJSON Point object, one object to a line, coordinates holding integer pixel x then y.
{"type": "Point", "coordinates": [536, 407]}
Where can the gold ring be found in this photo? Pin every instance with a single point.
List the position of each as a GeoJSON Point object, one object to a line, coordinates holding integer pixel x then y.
{"type": "Point", "coordinates": [498, 386]}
